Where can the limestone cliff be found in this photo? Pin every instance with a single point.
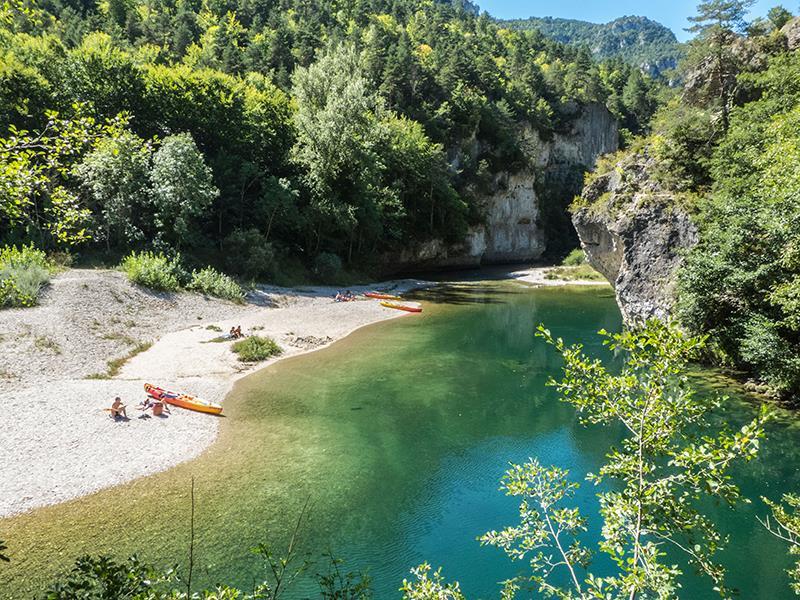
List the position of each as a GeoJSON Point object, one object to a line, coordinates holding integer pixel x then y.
{"type": "Point", "coordinates": [634, 232]}
{"type": "Point", "coordinates": [513, 227]}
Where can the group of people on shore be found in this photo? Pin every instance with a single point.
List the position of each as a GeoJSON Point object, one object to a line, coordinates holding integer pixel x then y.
{"type": "Point", "coordinates": [236, 332]}
{"type": "Point", "coordinates": [347, 296]}
{"type": "Point", "coordinates": [118, 409]}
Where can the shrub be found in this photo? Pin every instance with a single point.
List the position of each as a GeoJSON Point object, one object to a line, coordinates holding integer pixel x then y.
{"type": "Point", "coordinates": [249, 255]}
{"type": "Point", "coordinates": [213, 283]}
{"type": "Point", "coordinates": [327, 267]}
{"type": "Point", "coordinates": [256, 349]}
{"type": "Point", "coordinates": [24, 272]}
{"type": "Point", "coordinates": [575, 258]}
{"type": "Point", "coordinates": [154, 271]}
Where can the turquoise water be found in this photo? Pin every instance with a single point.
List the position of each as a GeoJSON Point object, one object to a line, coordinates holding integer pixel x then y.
{"type": "Point", "coordinates": [398, 436]}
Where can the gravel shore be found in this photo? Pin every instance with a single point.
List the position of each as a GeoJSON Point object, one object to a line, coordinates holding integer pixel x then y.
{"type": "Point", "coordinates": [57, 442]}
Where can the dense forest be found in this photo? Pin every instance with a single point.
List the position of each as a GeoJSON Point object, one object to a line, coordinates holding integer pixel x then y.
{"type": "Point", "coordinates": [275, 132]}
{"type": "Point", "coordinates": [637, 40]}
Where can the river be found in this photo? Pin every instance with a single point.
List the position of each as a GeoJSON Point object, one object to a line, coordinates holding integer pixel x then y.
{"type": "Point", "coordinates": [397, 437]}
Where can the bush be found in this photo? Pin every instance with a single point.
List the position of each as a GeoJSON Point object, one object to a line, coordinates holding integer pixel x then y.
{"type": "Point", "coordinates": [575, 258]}
{"type": "Point", "coordinates": [328, 267]}
{"type": "Point", "coordinates": [213, 283]}
{"type": "Point", "coordinates": [23, 274]}
{"type": "Point", "coordinates": [154, 271]}
{"type": "Point", "coordinates": [249, 255]}
{"type": "Point", "coordinates": [256, 349]}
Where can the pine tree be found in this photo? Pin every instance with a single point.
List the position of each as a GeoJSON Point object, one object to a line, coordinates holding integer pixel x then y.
{"type": "Point", "coordinates": [720, 15]}
{"type": "Point", "coordinates": [716, 25]}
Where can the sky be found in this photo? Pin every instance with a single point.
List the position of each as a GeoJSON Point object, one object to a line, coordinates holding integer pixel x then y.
{"type": "Point", "coordinates": [671, 13]}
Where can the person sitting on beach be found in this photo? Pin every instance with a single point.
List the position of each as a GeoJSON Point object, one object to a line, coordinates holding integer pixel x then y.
{"type": "Point", "coordinates": [118, 409]}
{"type": "Point", "coordinates": [232, 333]}
{"type": "Point", "coordinates": [238, 332]}
{"type": "Point", "coordinates": [158, 406]}
{"type": "Point", "coordinates": [338, 297]}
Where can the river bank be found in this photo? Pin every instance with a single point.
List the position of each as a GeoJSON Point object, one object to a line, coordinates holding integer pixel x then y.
{"type": "Point", "coordinates": [61, 444]}
{"type": "Point", "coordinates": [56, 383]}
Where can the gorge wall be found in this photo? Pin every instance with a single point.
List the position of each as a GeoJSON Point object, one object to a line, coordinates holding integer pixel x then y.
{"type": "Point", "coordinates": [513, 228]}
{"type": "Point", "coordinates": [635, 232]}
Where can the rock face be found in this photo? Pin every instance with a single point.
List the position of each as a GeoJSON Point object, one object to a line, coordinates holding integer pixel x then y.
{"type": "Point", "coordinates": [792, 32]}
{"type": "Point", "coordinates": [513, 230]}
{"type": "Point", "coordinates": [634, 232]}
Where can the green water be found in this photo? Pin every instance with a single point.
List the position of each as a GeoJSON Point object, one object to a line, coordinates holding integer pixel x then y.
{"type": "Point", "coordinates": [399, 436]}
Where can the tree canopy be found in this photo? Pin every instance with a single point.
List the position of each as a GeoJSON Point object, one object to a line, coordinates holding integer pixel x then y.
{"type": "Point", "coordinates": [382, 119]}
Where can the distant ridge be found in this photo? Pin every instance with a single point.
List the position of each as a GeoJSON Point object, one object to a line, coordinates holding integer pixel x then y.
{"type": "Point", "coordinates": [637, 40]}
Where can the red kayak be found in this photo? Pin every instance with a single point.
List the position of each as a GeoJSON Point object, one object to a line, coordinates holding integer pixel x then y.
{"type": "Point", "coordinates": [381, 296]}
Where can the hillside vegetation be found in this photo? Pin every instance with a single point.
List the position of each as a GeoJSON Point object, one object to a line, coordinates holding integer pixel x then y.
{"type": "Point", "coordinates": [727, 150]}
{"type": "Point", "coordinates": [258, 136]}
{"type": "Point", "coordinates": [638, 41]}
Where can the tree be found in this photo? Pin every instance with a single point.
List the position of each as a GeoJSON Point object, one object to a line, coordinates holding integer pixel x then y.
{"type": "Point", "coordinates": [338, 585]}
{"type": "Point", "coordinates": [36, 201]}
{"type": "Point", "coordinates": [104, 578]}
{"type": "Point", "coordinates": [638, 101]}
{"type": "Point", "coordinates": [785, 525]}
{"type": "Point", "coordinates": [778, 16]}
{"type": "Point", "coordinates": [427, 587]}
{"type": "Point", "coordinates": [720, 15]}
{"type": "Point", "coordinates": [338, 127]}
{"type": "Point", "coordinates": [115, 176]}
{"type": "Point", "coordinates": [741, 283]}
{"type": "Point", "coordinates": [666, 463]}
{"type": "Point", "coordinates": [336, 117]}
{"type": "Point", "coordinates": [182, 188]}
{"type": "Point", "coordinates": [712, 56]}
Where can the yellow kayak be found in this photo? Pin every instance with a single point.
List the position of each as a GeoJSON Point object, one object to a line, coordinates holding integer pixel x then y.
{"type": "Point", "coordinates": [413, 307]}
{"type": "Point", "coordinates": [183, 400]}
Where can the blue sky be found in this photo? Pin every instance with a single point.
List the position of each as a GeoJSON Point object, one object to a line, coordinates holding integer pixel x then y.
{"type": "Point", "coordinates": [671, 13]}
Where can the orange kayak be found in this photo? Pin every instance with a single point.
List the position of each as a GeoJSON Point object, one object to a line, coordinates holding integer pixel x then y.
{"type": "Point", "coordinates": [183, 400]}
{"type": "Point", "coordinates": [414, 307]}
{"type": "Point", "coordinates": [382, 296]}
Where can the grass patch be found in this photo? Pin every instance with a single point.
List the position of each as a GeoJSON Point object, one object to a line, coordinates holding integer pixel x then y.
{"type": "Point", "coordinates": [580, 273]}
{"type": "Point", "coordinates": [119, 337]}
{"type": "Point", "coordinates": [214, 328]}
{"type": "Point", "coordinates": [154, 271]}
{"type": "Point", "coordinates": [211, 282]}
{"type": "Point", "coordinates": [45, 343]}
{"type": "Point", "coordinates": [116, 364]}
{"type": "Point", "coordinates": [24, 272]}
{"type": "Point", "coordinates": [256, 349]}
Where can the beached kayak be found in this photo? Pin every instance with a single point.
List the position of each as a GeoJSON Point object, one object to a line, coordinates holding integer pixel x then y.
{"type": "Point", "coordinates": [382, 296]}
{"type": "Point", "coordinates": [414, 307]}
{"type": "Point", "coordinates": [183, 400]}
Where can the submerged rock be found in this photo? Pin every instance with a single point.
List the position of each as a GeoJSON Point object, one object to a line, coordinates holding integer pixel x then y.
{"type": "Point", "coordinates": [635, 232]}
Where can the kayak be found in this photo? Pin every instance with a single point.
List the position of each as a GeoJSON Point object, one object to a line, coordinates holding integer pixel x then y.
{"type": "Point", "coordinates": [183, 400]}
{"type": "Point", "coordinates": [414, 307]}
{"type": "Point", "coordinates": [382, 296]}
